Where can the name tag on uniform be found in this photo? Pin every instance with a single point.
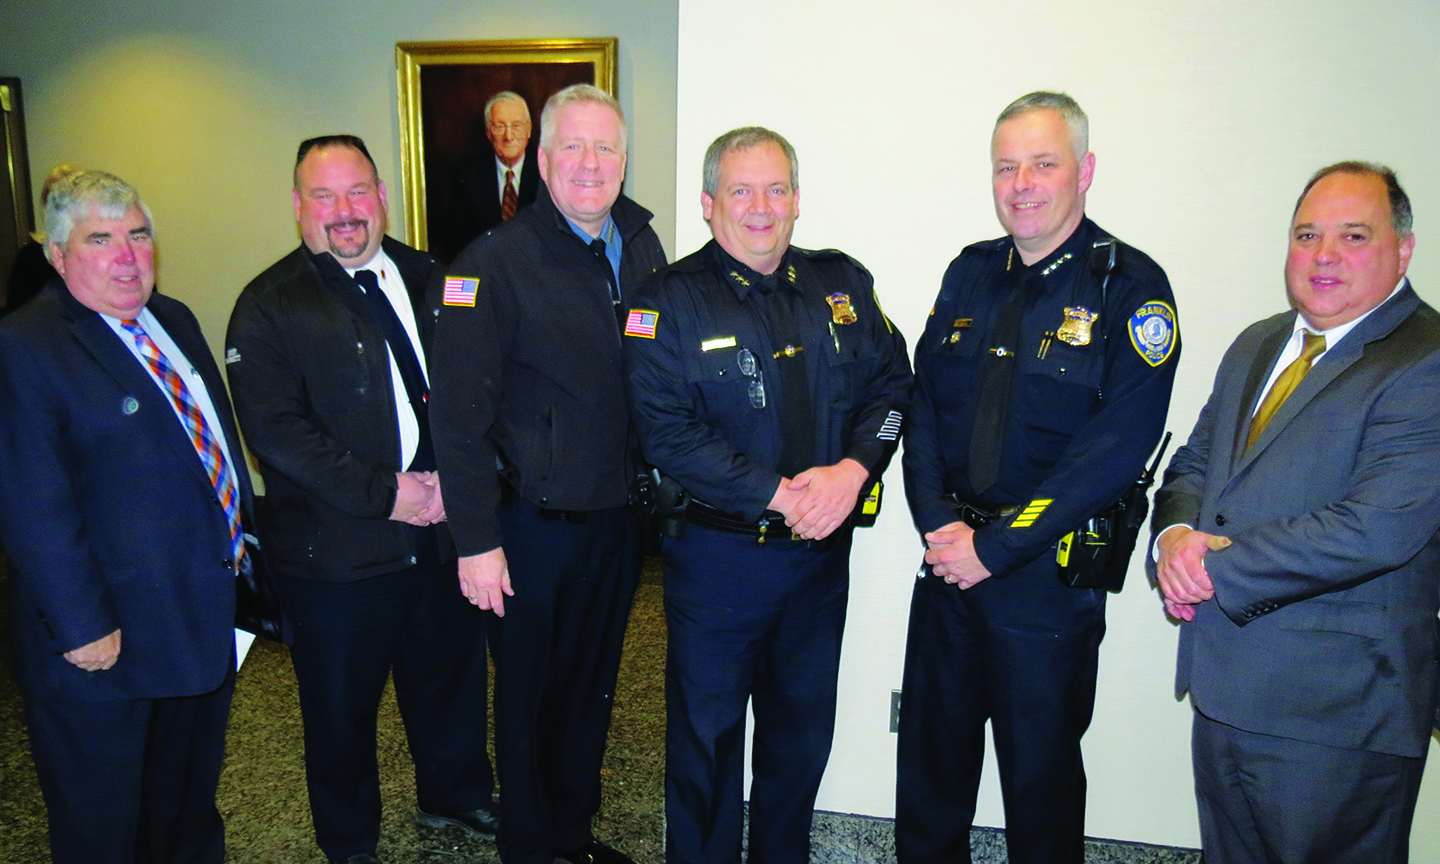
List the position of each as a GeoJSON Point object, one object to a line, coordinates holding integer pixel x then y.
{"type": "Point", "coordinates": [717, 343]}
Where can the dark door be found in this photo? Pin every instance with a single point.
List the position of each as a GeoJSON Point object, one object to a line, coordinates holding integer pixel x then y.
{"type": "Point", "coordinates": [16, 213]}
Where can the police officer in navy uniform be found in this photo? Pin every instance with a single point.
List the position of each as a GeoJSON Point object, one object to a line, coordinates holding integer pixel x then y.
{"type": "Point", "coordinates": [767, 382]}
{"type": "Point", "coordinates": [1041, 388]}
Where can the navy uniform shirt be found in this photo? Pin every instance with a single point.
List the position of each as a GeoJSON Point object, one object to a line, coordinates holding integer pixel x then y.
{"type": "Point", "coordinates": [1087, 401]}
{"type": "Point", "coordinates": [691, 398]}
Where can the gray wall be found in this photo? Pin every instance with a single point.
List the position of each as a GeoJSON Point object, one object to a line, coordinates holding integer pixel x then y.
{"type": "Point", "coordinates": [200, 105]}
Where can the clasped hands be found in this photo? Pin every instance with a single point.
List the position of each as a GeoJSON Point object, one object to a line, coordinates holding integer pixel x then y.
{"type": "Point", "coordinates": [417, 498]}
{"type": "Point", "coordinates": [818, 501]}
{"type": "Point", "coordinates": [1180, 569]}
{"type": "Point", "coordinates": [950, 552]}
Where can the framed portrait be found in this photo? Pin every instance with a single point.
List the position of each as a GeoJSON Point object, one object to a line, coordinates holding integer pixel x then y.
{"type": "Point", "coordinates": [450, 153]}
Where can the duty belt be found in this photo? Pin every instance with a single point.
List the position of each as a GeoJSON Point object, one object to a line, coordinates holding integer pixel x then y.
{"type": "Point", "coordinates": [974, 516]}
{"type": "Point", "coordinates": [767, 529]}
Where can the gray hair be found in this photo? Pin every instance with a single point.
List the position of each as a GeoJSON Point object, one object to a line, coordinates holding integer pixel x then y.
{"type": "Point", "coordinates": [577, 94]}
{"type": "Point", "coordinates": [504, 96]}
{"type": "Point", "coordinates": [1061, 103]}
{"type": "Point", "coordinates": [743, 139]}
{"type": "Point", "coordinates": [74, 196]}
{"type": "Point", "coordinates": [1402, 219]}
{"type": "Point", "coordinates": [61, 170]}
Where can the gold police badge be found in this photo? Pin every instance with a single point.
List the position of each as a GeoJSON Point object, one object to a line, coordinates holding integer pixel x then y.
{"type": "Point", "coordinates": [841, 312]}
{"type": "Point", "coordinates": [1076, 329]}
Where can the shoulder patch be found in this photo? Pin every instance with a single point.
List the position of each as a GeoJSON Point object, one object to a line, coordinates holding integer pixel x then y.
{"type": "Point", "coordinates": [460, 290]}
{"type": "Point", "coordinates": [1152, 331]}
{"type": "Point", "coordinates": [641, 323]}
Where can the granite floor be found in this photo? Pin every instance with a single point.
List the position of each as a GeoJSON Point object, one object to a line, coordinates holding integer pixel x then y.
{"type": "Point", "coordinates": [262, 792]}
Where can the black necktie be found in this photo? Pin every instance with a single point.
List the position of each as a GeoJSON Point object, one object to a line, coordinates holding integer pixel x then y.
{"type": "Point", "coordinates": [797, 422]}
{"type": "Point", "coordinates": [992, 407]}
{"type": "Point", "coordinates": [403, 351]}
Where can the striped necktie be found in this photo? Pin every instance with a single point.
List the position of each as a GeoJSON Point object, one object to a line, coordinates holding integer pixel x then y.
{"type": "Point", "coordinates": [198, 431]}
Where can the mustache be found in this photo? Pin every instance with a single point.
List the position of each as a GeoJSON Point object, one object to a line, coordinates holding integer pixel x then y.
{"type": "Point", "coordinates": [346, 224]}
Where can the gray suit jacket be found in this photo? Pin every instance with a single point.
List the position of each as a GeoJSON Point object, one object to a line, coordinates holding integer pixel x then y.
{"type": "Point", "coordinates": [1323, 625]}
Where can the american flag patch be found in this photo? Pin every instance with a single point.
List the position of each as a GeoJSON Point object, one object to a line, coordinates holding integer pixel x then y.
{"type": "Point", "coordinates": [641, 322]}
{"type": "Point", "coordinates": [460, 291]}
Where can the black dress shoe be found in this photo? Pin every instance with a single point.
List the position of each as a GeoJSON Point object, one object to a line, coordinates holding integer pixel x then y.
{"type": "Point", "coordinates": [356, 859]}
{"type": "Point", "coordinates": [594, 852]}
{"type": "Point", "coordinates": [485, 820]}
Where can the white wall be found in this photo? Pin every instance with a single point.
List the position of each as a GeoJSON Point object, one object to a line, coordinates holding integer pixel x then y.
{"type": "Point", "coordinates": [1206, 121]}
{"type": "Point", "coordinates": [201, 106]}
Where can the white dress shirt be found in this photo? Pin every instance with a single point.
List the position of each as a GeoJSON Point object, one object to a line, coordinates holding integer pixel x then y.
{"type": "Point", "coordinates": [394, 289]}
{"type": "Point", "coordinates": [501, 168]}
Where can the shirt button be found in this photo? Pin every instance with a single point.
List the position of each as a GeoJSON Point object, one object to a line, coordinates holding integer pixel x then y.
{"type": "Point", "coordinates": [1220, 519]}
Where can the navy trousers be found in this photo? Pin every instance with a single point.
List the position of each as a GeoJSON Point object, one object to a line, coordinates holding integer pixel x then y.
{"type": "Point", "coordinates": [132, 782]}
{"type": "Point", "coordinates": [557, 656]}
{"type": "Point", "coordinates": [759, 624]}
{"type": "Point", "coordinates": [349, 637]}
{"type": "Point", "coordinates": [1020, 651]}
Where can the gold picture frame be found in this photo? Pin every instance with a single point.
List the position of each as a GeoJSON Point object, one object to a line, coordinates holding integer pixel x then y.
{"type": "Point", "coordinates": [443, 87]}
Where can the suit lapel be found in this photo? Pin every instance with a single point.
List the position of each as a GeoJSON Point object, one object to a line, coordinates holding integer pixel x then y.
{"type": "Point", "coordinates": [1260, 368]}
{"type": "Point", "coordinates": [116, 359]}
{"type": "Point", "coordinates": [1331, 364]}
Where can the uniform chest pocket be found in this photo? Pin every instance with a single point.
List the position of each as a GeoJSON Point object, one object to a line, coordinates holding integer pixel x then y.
{"type": "Point", "coordinates": [728, 380]}
{"type": "Point", "coordinates": [1062, 389]}
{"type": "Point", "coordinates": [852, 360]}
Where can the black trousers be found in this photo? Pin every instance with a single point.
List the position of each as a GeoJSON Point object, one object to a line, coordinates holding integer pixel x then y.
{"type": "Point", "coordinates": [132, 782]}
{"type": "Point", "coordinates": [1269, 800]}
{"type": "Point", "coordinates": [760, 625]}
{"type": "Point", "coordinates": [1020, 651]}
{"type": "Point", "coordinates": [349, 637]}
{"type": "Point", "coordinates": [557, 655]}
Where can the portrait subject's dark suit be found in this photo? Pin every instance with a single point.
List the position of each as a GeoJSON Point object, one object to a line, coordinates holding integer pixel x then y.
{"type": "Point", "coordinates": [475, 197]}
{"type": "Point", "coordinates": [111, 522]}
{"type": "Point", "coordinates": [1323, 624]}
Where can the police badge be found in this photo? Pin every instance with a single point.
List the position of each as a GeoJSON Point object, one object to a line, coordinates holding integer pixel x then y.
{"type": "Point", "coordinates": [841, 312]}
{"type": "Point", "coordinates": [1076, 329]}
{"type": "Point", "coordinates": [1152, 331]}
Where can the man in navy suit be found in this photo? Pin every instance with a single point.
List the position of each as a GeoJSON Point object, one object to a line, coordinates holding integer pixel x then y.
{"type": "Point", "coordinates": [122, 488]}
{"type": "Point", "coordinates": [1299, 545]}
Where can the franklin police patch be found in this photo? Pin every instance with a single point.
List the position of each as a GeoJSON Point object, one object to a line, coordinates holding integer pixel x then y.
{"type": "Point", "coordinates": [1152, 331]}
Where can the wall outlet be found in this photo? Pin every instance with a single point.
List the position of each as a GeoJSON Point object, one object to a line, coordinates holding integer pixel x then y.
{"type": "Point", "coordinates": [894, 710]}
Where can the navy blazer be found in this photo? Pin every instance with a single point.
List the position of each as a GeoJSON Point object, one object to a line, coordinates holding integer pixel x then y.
{"type": "Point", "coordinates": [109, 518]}
{"type": "Point", "coordinates": [1323, 625]}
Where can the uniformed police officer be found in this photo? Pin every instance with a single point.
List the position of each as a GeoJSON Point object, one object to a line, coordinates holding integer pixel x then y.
{"type": "Point", "coordinates": [1042, 386]}
{"type": "Point", "coordinates": [768, 383]}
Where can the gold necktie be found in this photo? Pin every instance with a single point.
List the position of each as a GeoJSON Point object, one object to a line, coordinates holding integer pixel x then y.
{"type": "Point", "coordinates": [1285, 385]}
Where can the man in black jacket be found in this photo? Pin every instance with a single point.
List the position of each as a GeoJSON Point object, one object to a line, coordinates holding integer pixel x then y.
{"type": "Point", "coordinates": [528, 377]}
{"type": "Point", "coordinates": [326, 356]}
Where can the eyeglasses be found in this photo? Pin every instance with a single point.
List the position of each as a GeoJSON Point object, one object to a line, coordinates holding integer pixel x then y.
{"type": "Point", "coordinates": [519, 127]}
{"type": "Point", "coordinates": [750, 369]}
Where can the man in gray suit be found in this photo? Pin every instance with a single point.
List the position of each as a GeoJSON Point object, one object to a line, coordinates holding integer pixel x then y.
{"type": "Point", "coordinates": [1308, 638]}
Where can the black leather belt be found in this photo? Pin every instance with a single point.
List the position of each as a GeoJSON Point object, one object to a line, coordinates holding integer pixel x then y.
{"type": "Point", "coordinates": [574, 517]}
{"type": "Point", "coordinates": [768, 529]}
{"type": "Point", "coordinates": [977, 517]}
